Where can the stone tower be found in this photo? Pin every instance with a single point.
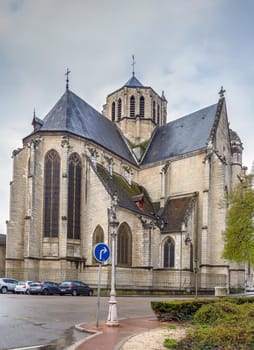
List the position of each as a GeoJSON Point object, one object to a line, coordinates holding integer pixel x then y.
{"type": "Point", "coordinates": [137, 110]}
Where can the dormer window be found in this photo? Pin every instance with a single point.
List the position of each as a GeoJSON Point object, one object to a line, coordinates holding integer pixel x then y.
{"type": "Point", "coordinates": [132, 107]}
{"type": "Point", "coordinates": [142, 107]}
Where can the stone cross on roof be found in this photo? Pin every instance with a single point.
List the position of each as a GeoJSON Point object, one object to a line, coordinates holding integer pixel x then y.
{"type": "Point", "coordinates": [221, 92]}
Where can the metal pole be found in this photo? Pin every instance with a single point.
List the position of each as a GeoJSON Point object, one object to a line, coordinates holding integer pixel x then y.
{"type": "Point", "coordinates": [113, 224]}
{"type": "Point", "coordinates": [98, 296]}
{"type": "Point", "coordinates": [181, 259]}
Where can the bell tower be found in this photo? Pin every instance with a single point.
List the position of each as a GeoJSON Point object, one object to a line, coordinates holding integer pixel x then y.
{"type": "Point", "coordinates": [136, 109]}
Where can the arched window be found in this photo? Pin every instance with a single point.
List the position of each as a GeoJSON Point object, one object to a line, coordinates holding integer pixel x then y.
{"type": "Point", "coordinates": [113, 112]}
{"type": "Point", "coordinates": [124, 245]}
{"type": "Point", "coordinates": [74, 196]}
{"type": "Point", "coordinates": [98, 237]}
{"type": "Point", "coordinates": [169, 253]}
{"type": "Point", "coordinates": [51, 193]}
{"type": "Point", "coordinates": [154, 111]}
{"type": "Point", "coordinates": [142, 107]}
{"type": "Point", "coordinates": [119, 109]}
{"type": "Point", "coordinates": [158, 114]}
{"type": "Point", "coordinates": [132, 107]}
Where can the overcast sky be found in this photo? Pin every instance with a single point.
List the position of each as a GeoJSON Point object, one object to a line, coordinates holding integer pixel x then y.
{"type": "Point", "coordinates": [187, 48]}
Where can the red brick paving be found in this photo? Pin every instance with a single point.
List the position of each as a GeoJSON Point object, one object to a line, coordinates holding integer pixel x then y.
{"type": "Point", "coordinates": [109, 337]}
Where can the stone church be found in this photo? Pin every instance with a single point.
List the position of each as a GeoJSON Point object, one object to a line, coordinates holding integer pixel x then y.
{"type": "Point", "coordinates": [169, 178]}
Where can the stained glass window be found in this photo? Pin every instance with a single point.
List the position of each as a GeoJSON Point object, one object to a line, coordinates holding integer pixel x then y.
{"type": "Point", "coordinates": [74, 196]}
{"type": "Point", "coordinates": [51, 193]}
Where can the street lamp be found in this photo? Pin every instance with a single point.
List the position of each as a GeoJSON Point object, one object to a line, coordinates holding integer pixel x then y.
{"type": "Point", "coordinates": [113, 225]}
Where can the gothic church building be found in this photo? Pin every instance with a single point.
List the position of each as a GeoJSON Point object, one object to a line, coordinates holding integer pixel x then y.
{"type": "Point", "coordinates": [169, 178]}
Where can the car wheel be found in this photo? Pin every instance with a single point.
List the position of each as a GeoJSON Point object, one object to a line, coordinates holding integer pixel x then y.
{"type": "Point", "coordinates": [74, 293]}
{"type": "Point", "coordinates": [90, 293]}
{"type": "Point", "coordinates": [45, 292]}
{"type": "Point", "coordinates": [4, 290]}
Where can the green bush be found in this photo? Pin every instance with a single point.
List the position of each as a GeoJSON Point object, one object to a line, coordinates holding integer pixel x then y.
{"type": "Point", "coordinates": [221, 326]}
{"type": "Point", "coordinates": [182, 310]}
{"type": "Point", "coordinates": [215, 312]}
{"type": "Point", "coordinates": [221, 337]}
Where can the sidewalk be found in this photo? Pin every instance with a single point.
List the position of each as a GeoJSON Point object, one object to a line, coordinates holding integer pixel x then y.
{"type": "Point", "coordinates": [111, 338]}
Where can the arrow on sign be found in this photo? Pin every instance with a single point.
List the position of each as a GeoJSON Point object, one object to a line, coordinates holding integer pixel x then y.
{"type": "Point", "coordinates": [102, 252]}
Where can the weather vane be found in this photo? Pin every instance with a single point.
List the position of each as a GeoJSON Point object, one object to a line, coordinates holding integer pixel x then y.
{"type": "Point", "coordinates": [67, 78]}
{"type": "Point", "coordinates": [133, 64]}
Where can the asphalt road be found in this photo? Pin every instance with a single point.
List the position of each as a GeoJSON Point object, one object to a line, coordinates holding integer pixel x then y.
{"type": "Point", "coordinates": [47, 322]}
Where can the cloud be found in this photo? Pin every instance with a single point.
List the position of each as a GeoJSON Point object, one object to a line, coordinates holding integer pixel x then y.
{"type": "Point", "coordinates": [186, 48]}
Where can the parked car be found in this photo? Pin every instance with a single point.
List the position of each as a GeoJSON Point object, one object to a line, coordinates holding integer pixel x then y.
{"type": "Point", "coordinates": [75, 288]}
{"type": "Point", "coordinates": [7, 285]}
{"type": "Point", "coordinates": [43, 287]}
{"type": "Point", "coordinates": [22, 287]}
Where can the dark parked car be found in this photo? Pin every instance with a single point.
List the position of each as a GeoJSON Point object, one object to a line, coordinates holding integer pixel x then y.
{"type": "Point", "coordinates": [43, 287]}
{"type": "Point", "coordinates": [75, 288]}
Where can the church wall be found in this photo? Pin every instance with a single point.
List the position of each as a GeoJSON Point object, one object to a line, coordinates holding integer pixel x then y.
{"type": "Point", "coordinates": [136, 130]}
{"type": "Point", "coordinates": [2, 259]}
{"type": "Point", "coordinates": [183, 176]}
{"type": "Point", "coordinates": [15, 225]}
{"type": "Point", "coordinates": [221, 177]}
{"type": "Point", "coordinates": [96, 204]}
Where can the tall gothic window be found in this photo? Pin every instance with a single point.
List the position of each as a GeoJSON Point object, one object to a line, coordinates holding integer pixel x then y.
{"type": "Point", "coordinates": [132, 107]}
{"type": "Point", "coordinates": [74, 196]}
{"type": "Point", "coordinates": [154, 111]}
{"type": "Point", "coordinates": [98, 237]}
{"type": "Point", "coordinates": [142, 107]}
{"type": "Point", "coordinates": [124, 245]}
{"type": "Point", "coordinates": [119, 109]}
{"type": "Point", "coordinates": [51, 193]}
{"type": "Point", "coordinates": [158, 114]}
{"type": "Point", "coordinates": [113, 112]}
{"type": "Point", "coordinates": [169, 253]}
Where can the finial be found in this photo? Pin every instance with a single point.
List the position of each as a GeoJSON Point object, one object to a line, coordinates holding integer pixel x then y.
{"type": "Point", "coordinates": [133, 64]}
{"type": "Point", "coordinates": [67, 78]}
{"type": "Point", "coordinates": [34, 121]}
{"type": "Point", "coordinates": [221, 92]}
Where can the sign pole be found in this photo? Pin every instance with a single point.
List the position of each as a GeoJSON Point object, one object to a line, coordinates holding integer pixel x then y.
{"type": "Point", "coordinates": [101, 253]}
{"type": "Point", "coordinates": [98, 296]}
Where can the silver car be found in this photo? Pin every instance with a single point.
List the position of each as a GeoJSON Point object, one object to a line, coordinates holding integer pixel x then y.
{"type": "Point", "coordinates": [7, 285]}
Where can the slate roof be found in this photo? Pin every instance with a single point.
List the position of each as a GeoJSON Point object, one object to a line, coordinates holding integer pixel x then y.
{"type": "Point", "coordinates": [133, 82]}
{"type": "Point", "coordinates": [187, 134]}
{"type": "Point", "coordinates": [72, 114]}
{"type": "Point", "coordinates": [127, 194]}
{"type": "Point", "coordinates": [174, 213]}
